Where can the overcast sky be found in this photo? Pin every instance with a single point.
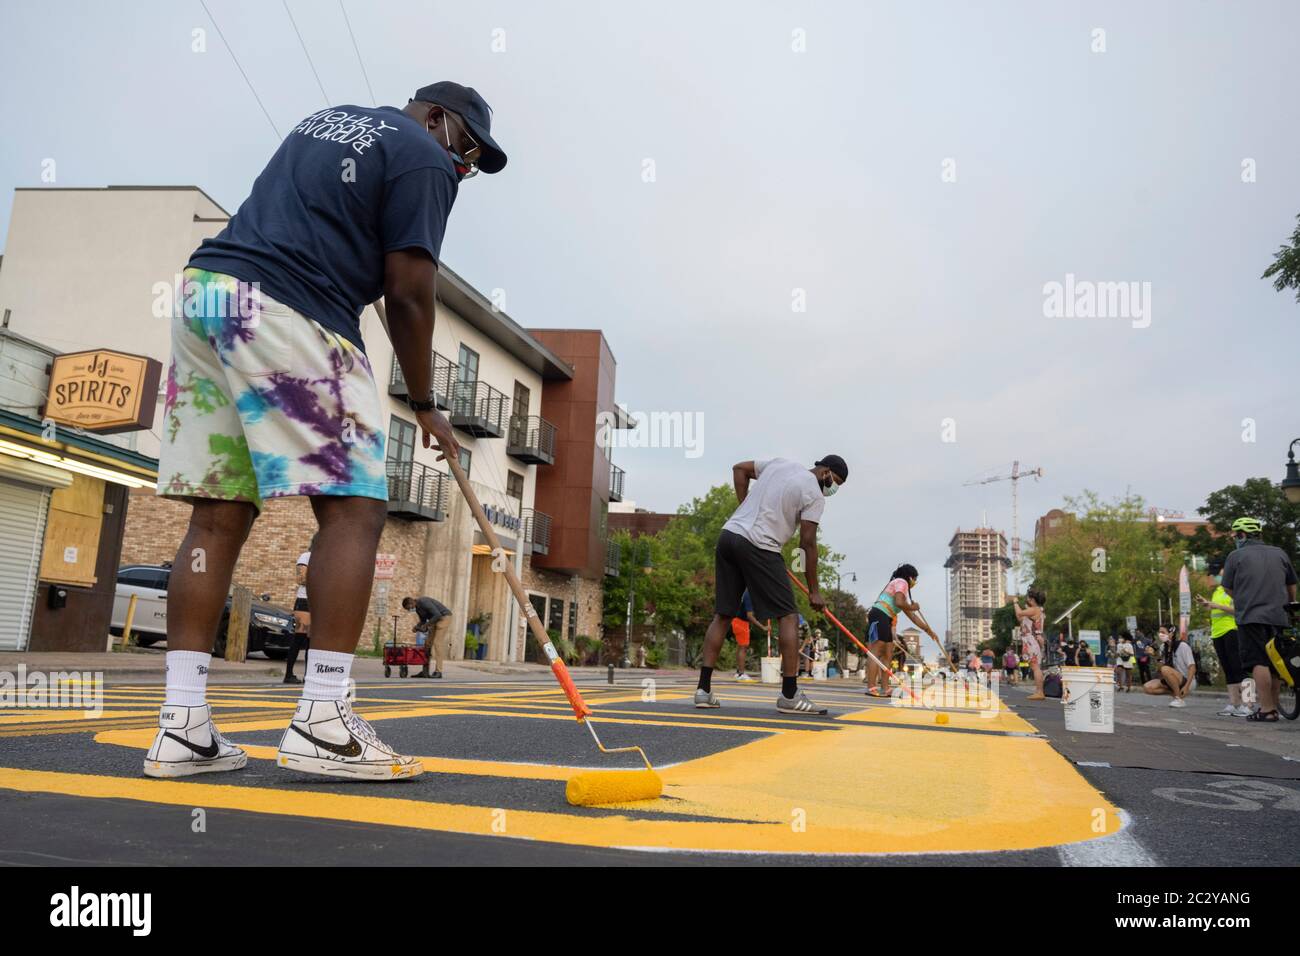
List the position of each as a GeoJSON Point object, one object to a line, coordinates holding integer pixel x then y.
{"type": "Point", "coordinates": [798, 146]}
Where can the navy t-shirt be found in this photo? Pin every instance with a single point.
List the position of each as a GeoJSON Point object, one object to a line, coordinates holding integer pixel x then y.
{"type": "Point", "coordinates": [347, 185]}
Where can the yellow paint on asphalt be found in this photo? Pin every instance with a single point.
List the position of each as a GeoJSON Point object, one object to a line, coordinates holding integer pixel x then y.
{"type": "Point", "coordinates": [1005, 720]}
{"type": "Point", "coordinates": [862, 790]}
{"type": "Point", "coordinates": [843, 785]}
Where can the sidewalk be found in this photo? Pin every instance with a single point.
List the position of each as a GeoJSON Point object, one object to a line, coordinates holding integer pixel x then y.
{"type": "Point", "coordinates": [1136, 710]}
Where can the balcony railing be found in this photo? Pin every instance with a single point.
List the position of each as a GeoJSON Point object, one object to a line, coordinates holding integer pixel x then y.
{"type": "Point", "coordinates": [613, 558]}
{"type": "Point", "coordinates": [444, 375]}
{"type": "Point", "coordinates": [416, 491]}
{"type": "Point", "coordinates": [480, 409]}
{"type": "Point", "coordinates": [532, 440]}
{"type": "Point", "coordinates": [537, 530]}
{"type": "Point", "coordinates": [615, 483]}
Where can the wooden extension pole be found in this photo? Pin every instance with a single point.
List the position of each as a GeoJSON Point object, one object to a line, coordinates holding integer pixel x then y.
{"type": "Point", "coordinates": [500, 564]}
{"type": "Point", "coordinates": [561, 672]}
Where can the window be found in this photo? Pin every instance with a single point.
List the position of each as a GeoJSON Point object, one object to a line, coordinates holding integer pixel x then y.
{"type": "Point", "coordinates": [401, 440]}
{"type": "Point", "coordinates": [155, 578]}
{"type": "Point", "coordinates": [515, 486]}
{"type": "Point", "coordinates": [573, 620]}
{"type": "Point", "coordinates": [520, 405]}
{"type": "Point", "coordinates": [555, 622]}
{"type": "Point", "coordinates": [465, 457]}
{"type": "Point", "coordinates": [467, 369]}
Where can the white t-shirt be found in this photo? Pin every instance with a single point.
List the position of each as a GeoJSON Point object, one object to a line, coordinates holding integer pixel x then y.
{"type": "Point", "coordinates": [1185, 661]}
{"type": "Point", "coordinates": [785, 494]}
{"type": "Point", "coordinates": [303, 560]}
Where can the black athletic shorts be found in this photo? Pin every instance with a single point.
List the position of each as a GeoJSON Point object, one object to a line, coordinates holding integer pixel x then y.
{"type": "Point", "coordinates": [880, 626]}
{"type": "Point", "coordinates": [300, 604]}
{"type": "Point", "coordinates": [1252, 641]}
{"type": "Point", "coordinates": [1228, 647]}
{"type": "Point", "coordinates": [738, 565]}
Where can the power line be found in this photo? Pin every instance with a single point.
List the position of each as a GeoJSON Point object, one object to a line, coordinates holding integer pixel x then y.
{"type": "Point", "coordinates": [302, 43]}
{"type": "Point", "coordinates": [240, 68]}
{"type": "Point", "coordinates": [365, 75]}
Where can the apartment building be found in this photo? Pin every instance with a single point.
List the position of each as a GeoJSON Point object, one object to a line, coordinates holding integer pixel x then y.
{"type": "Point", "coordinates": [92, 268]}
{"type": "Point", "coordinates": [977, 565]}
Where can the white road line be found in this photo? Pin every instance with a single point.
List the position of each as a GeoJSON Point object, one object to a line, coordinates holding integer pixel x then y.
{"type": "Point", "coordinates": [1118, 849]}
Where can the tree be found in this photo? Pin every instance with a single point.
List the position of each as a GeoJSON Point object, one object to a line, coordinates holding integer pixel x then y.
{"type": "Point", "coordinates": [1116, 561]}
{"type": "Point", "coordinates": [1003, 625]}
{"type": "Point", "coordinates": [1285, 270]}
{"type": "Point", "coordinates": [1256, 498]}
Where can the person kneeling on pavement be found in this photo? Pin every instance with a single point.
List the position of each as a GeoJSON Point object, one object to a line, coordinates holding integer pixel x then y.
{"type": "Point", "coordinates": [1177, 673]}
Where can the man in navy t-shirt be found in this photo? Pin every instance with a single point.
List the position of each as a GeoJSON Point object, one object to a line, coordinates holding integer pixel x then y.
{"type": "Point", "coordinates": [270, 394]}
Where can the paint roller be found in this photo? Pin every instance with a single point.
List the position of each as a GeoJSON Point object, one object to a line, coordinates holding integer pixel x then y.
{"type": "Point", "coordinates": [587, 788]}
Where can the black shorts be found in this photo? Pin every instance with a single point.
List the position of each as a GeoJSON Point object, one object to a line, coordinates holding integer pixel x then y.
{"type": "Point", "coordinates": [1252, 641]}
{"type": "Point", "coordinates": [300, 604]}
{"type": "Point", "coordinates": [739, 565]}
{"type": "Point", "coordinates": [880, 626]}
{"type": "Point", "coordinates": [1228, 647]}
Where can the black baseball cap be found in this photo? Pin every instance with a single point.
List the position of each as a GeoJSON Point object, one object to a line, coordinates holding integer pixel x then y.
{"type": "Point", "coordinates": [465, 102]}
{"type": "Point", "coordinates": [836, 464]}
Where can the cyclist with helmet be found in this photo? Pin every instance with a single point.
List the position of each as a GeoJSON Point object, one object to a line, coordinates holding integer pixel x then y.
{"type": "Point", "coordinates": [1223, 634]}
{"type": "Point", "coordinates": [1260, 580]}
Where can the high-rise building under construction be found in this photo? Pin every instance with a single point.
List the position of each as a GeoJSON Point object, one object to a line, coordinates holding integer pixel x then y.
{"type": "Point", "coordinates": [977, 585]}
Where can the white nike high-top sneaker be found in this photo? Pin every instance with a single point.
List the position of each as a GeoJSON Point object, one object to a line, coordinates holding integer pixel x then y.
{"type": "Point", "coordinates": [188, 742]}
{"type": "Point", "coordinates": [326, 737]}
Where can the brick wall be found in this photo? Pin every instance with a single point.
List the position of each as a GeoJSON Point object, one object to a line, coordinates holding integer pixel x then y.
{"type": "Point", "coordinates": [155, 527]}
{"type": "Point", "coordinates": [433, 558]}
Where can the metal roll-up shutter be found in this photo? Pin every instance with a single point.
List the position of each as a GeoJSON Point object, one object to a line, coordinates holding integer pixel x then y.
{"type": "Point", "coordinates": [22, 529]}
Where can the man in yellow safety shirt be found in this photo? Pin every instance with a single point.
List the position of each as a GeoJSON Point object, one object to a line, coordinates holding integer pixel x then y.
{"type": "Point", "coordinates": [1223, 634]}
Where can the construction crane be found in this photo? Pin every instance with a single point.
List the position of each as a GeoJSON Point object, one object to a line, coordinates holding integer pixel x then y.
{"type": "Point", "coordinates": [1014, 478]}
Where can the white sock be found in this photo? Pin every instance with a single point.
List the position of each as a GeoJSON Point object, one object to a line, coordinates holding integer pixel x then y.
{"type": "Point", "coordinates": [187, 678]}
{"type": "Point", "coordinates": [327, 676]}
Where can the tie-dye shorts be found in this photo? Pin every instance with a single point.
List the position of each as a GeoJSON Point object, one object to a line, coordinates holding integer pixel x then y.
{"type": "Point", "coordinates": [262, 402]}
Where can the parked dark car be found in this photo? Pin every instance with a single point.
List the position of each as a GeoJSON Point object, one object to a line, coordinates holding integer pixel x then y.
{"type": "Point", "coordinates": [270, 626]}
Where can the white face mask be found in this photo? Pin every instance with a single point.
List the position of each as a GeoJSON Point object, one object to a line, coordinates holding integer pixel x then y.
{"type": "Point", "coordinates": [829, 490]}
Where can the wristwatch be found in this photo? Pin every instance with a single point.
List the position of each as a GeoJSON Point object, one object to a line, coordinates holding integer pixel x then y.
{"type": "Point", "coordinates": [415, 405]}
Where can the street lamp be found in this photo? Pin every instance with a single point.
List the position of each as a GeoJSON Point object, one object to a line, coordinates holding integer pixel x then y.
{"type": "Point", "coordinates": [1291, 483]}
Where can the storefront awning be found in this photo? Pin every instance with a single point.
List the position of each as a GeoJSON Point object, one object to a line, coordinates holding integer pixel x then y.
{"type": "Point", "coordinates": [23, 439]}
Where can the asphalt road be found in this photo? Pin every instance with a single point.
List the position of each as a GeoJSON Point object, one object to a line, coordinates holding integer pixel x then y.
{"type": "Point", "coordinates": [867, 784]}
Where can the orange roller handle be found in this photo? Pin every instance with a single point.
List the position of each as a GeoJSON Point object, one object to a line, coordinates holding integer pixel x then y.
{"type": "Point", "coordinates": [580, 708]}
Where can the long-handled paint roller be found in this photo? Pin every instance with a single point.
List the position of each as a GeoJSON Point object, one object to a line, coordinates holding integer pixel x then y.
{"type": "Point", "coordinates": [590, 787]}
{"type": "Point", "coordinates": [866, 650]}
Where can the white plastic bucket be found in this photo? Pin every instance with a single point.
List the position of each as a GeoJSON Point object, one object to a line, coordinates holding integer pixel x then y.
{"type": "Point", "coordinates": [819, 670]}
{"type": "Point", "coordinates": [771, 670]}
{"type": "Point", "coordinates": [1088, 694]}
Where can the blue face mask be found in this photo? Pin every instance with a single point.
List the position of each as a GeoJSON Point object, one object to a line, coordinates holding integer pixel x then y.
{"type": "Point", "coordinates": [1238, 542]}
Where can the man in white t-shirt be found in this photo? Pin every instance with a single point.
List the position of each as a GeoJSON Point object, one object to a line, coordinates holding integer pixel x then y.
{"type": "Point", "coordinates": [786, 496]}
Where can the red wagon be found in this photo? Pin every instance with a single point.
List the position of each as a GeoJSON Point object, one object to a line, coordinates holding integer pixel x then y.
{"type": "Point", "coordinates": [404, 656]}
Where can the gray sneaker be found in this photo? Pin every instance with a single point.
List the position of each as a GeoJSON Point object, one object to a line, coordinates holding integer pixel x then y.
{"type": "Point", "coordinates": [705, 700]}
{"type": "Point", "coordinates": [800, 705]}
